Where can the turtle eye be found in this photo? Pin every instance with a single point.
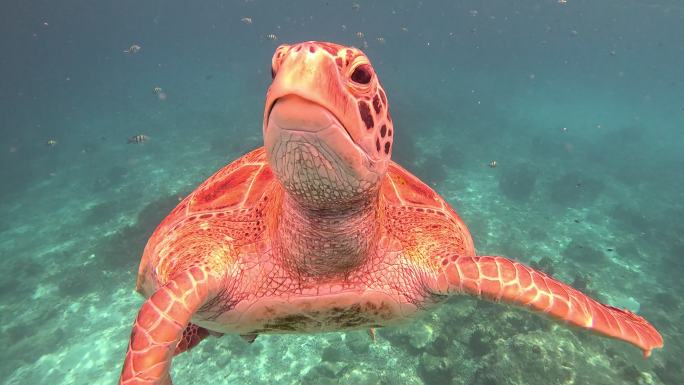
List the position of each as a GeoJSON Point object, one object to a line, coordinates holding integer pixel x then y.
{"type": "Point", "coordinates": [362, 74]}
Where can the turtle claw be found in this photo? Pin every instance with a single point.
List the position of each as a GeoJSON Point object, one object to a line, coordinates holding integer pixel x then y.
{"type": "Point", "coordinates": [371, 332]}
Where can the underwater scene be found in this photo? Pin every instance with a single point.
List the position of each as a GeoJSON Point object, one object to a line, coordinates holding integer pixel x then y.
{"type": "Point", "coordinates": [555, 129]}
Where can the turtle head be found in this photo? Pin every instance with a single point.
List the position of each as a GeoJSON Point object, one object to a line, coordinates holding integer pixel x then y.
{"type": "Point", "coordinates": [327, 128]}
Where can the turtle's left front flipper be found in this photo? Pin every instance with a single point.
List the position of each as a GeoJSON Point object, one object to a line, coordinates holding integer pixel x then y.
{"type": "Point", "coordinates": [160, 327]}
{"type": "Point", "coordinates": [500, 279]}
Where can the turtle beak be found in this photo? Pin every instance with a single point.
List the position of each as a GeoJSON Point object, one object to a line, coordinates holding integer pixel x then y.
{"type": "Point", "coordinates": [294, 113]}
{"type": "Point", "coordinates": [311, 76]}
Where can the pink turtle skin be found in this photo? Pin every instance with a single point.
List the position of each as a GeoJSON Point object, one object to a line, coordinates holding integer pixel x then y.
{"type": "Point", "coordinates": [320, 231]}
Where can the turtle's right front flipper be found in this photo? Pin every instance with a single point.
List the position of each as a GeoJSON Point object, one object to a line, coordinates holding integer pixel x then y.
{"type": "Point", "coordinates": [501, 279]}
{"type": "Point", "coordinates": [159, 327]}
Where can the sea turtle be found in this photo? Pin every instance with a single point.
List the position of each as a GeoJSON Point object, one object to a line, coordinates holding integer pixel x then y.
{"type": "Point", "coordinates": [318, 230]}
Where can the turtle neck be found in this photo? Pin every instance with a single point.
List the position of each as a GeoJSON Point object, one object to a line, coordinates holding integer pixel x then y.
{"type": "Point", "coordinates": [326, 241]}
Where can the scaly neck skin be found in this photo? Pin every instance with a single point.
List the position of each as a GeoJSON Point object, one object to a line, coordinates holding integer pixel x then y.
{"type": "Point", "coordinates": [326, 240]}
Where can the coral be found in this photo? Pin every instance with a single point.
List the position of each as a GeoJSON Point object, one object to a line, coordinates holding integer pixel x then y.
{"type": "Point", "coordinates": [113, 177]}
{"type": "Point", "coordinates": [581, 282]}
{"type": "Point", "coordinates": [359, 342]}
{"type": "Point", "coordinates": [320, 375]}
{"type": "Point", "coordinates": [630, 219]}
{"type": "Point", "coordinates": [671, 372]}
{"type": "Point", "coordinates": [481, 342]}
{"type": "Point", "coordinates": [575, 190]}
{"type": "Point", "coordinates": [431, 170]}
{"type": "Point", "coordinates": [404, 150]}
{"type": "Point", "coordinates": [358, 377]}
{"type": "Point", "coordinates": [102, 212]}
{"type": "Point", "coordinates": [421, 336]}
{"type": "Point", "coordinates": [435, 370]}
{"type": "Point", "coordinates": [122, 249]}
{"type": "Point", "coordinates": [545, 264]}
{"type": "Point", "coordinates": [517, 181]}
{"type": "Point", "coordinates": [332, 354]}
{"type": "Point", "coordinates": [440, 346]}
{"type": "Point", "coordinates": [583, 254]}
{"type": "Point", "coordinates": [544, 361]}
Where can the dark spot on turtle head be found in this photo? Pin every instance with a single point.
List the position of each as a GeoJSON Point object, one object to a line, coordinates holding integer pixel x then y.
{"type": "Point", "coordinates": [376, 104]}
{"type": "Point", "coordinates": [366, 116]}
{"type": "Point", "coordinates": [383, 131]}
{"type": "Point", "coordinates": [377, 144]}
{"type": "Point", "coordinates": [387, 147]}
{"type": "Point", "coordinates": [338, 61]}
{"type": "Point", "coordinates": [331, 50]}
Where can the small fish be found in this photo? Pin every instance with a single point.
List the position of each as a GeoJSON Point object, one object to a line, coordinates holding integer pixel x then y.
{"type": "Point", "coordinates": [380, 39]}
{"type": "Point", "coordinates": [133, 49]}
{"type": "Point", "coordinates": [492, 164]}
{"type": "Point", "coordinates": [360, 35]}
{"type": "Point", "coordinates": [562, 1]}
{"type": "Point", "coordinates": [51, 143]}
{"type": "Point", "coordinates": [137, 139]}
{"type": "Point", "coordinates": [246, 20]}
{"type": "Point", "coordinates": [272, 37]}
{"type": "Point", "coordinates": [161, 95]}
{"type": "Point", "coordinates": [356, 6]}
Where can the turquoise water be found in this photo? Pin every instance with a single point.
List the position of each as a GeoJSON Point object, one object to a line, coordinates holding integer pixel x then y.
{"type": "Point", "coordinates": [581, 105]}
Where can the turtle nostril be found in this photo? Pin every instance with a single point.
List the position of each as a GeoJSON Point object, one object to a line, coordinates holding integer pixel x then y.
{"type": "Point", "coordinates": [272, 73]}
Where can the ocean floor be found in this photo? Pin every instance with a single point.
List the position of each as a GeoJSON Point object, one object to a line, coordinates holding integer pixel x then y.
{"type": "Point", "coordinates": [71, 242]}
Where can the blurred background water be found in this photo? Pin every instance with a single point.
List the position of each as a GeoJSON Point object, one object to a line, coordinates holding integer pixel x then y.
{"type": "Point", "coordinates": [580, 103]}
